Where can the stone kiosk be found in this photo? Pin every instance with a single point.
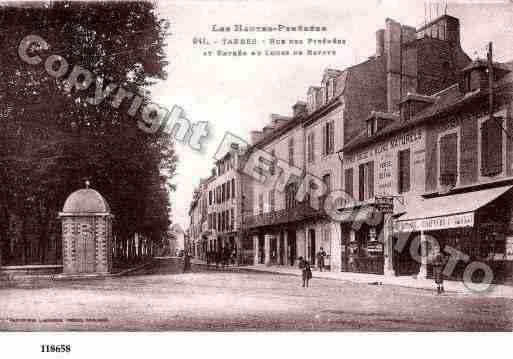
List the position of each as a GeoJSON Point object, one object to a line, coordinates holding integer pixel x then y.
{"type": "Point", "coordinates": [86, 233]}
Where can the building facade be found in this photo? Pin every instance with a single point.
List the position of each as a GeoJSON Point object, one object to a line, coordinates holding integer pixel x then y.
{"type": "Point", "coordinates": [444, 163]}
{"type": "Point", "coordinates": [406, 60]}
{"type": "Point", "coordinates": [218, 208]}
{"type": "Point", "coordinates": [392, 135]}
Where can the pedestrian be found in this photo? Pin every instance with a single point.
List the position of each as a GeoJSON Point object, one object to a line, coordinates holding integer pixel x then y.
{"type": "Point", "coordinates": [307, 271]}
{"type": "Point", "coordinates": [186, 262]}
{"type": "Point", "coordinates": [438, 269]}
{"type": "Point", "coordinates": [320, 258]}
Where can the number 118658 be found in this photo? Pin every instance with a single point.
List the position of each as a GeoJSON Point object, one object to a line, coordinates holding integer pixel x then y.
{"type": "Point", "coordinates": [50, 348]}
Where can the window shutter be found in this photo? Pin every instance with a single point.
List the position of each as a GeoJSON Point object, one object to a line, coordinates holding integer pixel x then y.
{"type": "Point", "coordinates": [361, 183]}
{"type": "Point", "coordinates": [491, 149]}
{"type": "Point", "coordinates": [324, 139]}
{"type": "Point", "coordinates": [312, 146]}
{"type": "Point", "coordinates": [404, 171]}
{"type": "Point", "coordinates": [348, 181]}
{"type": "Point", "coordinates": [370, 166]}
{"type": "Point", "coordinates": [448, 159]}
{"type": "Point", "coordinates": [331, 137]}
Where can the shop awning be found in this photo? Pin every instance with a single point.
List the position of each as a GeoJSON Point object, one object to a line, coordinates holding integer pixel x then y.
{"type": "Point", "coordinates": [453, 211]}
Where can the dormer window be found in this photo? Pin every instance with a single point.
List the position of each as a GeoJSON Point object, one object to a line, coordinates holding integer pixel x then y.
{"type": "Point", "coordinates": [413, 103]}
{"type": "Point", "coordinates": [475, 76]}
{"type": "Point", "coordinates": [372, 127]}
{"type": "Point", "coordinates": [311, 102]}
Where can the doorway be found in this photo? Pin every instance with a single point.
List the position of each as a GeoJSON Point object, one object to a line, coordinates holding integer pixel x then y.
{"type": "Point", "coordinates": [311, 246]}
{"type": "Point", "coordinates": [291, 247]}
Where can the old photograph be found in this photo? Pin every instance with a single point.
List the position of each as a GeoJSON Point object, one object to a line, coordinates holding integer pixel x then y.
{"type": "Point", "coordinates": [256, 166]}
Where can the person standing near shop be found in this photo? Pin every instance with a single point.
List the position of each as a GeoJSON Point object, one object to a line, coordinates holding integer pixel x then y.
{"type": "Point", "coordinates": [307, 271]}
{"type": "Point", "coordinates": [321, 255]}
{"type": "Point", "coordinates": [438, 269]}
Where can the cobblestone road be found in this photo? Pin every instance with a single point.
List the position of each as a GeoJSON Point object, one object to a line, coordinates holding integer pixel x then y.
{"type": "Point", "coordinates": [242, 301]}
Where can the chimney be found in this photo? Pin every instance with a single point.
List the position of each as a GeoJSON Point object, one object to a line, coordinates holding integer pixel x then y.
{"type": "Point", "coordinates": [380, 42]}
{"type": "Point", "coordinates": [393, 67]}
{"type": "Point", "coordinates": [299, 108]}
{"type": "Point", "coordinates": [409, 33]}
{"type": "Point", "coordinates": [256, 136]}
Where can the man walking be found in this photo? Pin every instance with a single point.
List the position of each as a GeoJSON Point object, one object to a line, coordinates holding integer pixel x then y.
{"type": "Point", "coordinates": [306, 271]}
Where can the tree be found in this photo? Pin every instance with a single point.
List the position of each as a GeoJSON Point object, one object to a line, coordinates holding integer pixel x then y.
{"type": "Point", "coordinates": [52, 140]}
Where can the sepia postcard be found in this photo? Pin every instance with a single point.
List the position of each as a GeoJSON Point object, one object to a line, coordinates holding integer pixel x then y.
{"type": "Point", "coordinates": [255, 166]}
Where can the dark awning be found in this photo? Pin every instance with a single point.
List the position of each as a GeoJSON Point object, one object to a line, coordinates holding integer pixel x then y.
{"type": "Point", "coordinates": [453, 211]}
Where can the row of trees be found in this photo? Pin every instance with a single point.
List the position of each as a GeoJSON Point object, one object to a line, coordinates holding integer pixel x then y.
{"type": "Point", "coordinates": [52, 141]}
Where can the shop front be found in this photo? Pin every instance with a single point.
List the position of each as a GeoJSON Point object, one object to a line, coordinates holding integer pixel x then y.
{"type": "Point", "coordinates": [364, 232]}
{"type": "Point", "coordinates": [478, 224]}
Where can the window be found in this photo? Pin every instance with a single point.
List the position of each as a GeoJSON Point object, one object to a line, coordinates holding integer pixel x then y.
{"type": "Point", "coordinates": [290, 195]}
{"type": "Point", "coordinates": [328, 140]}
{"type": "Point", "coordinates": [403, 176]}
{"type": "Point", "coordinates": [223, 192]}
{"type": "Point", "coordinates": [327, 182]}
{"type": "Point", "coordinates": [214, 221]}
{"type": "Point", "coordinates": [228, 190]}
{"type": "Point", "coordinates": [219, 221]}
{"type": "Point", "coordinates": [310, 146]}
{"type": "Point", "coordinates": [272, 200]}
{"type": "Point", "coordinates": [233, 187]}
{"type": "Point", "coordinates": [366, 181]}
{"type": "Point", "coordinates": [348, 181]}
{"type": "Point", "coordinates": [232, 219]}
{"type": "Point", "coordinates": [272, 167]}
{"type": "Point", "coordinates": [260, 203]}
{"type": "Point", "coordinates": [327, 92]}
{"type": "Point", "coordinates": [210, 198]}
{"type": "Point", "coordinates": [448, 159]}
{"type": "Point", "coordinates": [291, 151]}
{"type": "Point", "coordinates": [491, 147]}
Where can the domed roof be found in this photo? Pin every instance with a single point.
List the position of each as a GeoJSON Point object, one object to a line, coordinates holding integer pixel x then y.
{"type": "Point", "coordinates": [85, 200]}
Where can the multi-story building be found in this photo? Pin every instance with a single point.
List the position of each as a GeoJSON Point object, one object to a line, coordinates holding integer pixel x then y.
{"type": "Point", "coordinates": [218, 208]}
{"type": "Point", "coordinates": [284, 225]}
{"type": "Point", "coordinates": [198, 215]}
{"type": "Point", "coordinates": [446, 162]}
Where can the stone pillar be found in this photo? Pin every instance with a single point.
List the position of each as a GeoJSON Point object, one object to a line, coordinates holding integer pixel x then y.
{"type": "Point", "coordinates": [255, 250]}
{"type": "Point", "coordinates": [388, 246]}
{"type": "Point", "coordinates": [301, 242]}
{"type": "Point", "coordinates": [285, 248]}
{"type": "Point", "coordinates": [336, 247]}
{"type": "Point", "coordinates": [278, 247]}
{"type": "Point", "coordinates": [267, 249]}
{"type": "Point", "coordinates": [423, 254]}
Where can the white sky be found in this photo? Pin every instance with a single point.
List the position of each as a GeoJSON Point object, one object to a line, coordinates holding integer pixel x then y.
{"type": "Point", "coordinates": [238, 94]}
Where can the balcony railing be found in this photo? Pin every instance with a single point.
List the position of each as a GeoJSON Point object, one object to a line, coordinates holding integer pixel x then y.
{"type": "Point", "coordinates": [301, 211]}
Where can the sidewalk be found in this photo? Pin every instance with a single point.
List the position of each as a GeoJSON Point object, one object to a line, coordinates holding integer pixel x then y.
{"type": "Point", "coordinates": [495, 291]}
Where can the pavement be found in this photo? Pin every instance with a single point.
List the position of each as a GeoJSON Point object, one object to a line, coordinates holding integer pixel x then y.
{"type": "Point", "coordinates": [495, 291]}
{"type": "Point", "coordinates": [215, 300]}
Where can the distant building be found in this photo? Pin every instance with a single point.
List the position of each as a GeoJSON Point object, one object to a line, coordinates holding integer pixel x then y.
{"type": "Point", "coordinates": [176, 239]}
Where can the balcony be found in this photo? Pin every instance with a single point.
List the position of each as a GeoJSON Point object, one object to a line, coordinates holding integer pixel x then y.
{"type": "Point", "coordinates": [300, 212]}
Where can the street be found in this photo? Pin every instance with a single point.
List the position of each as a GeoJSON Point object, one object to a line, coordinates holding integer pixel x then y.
{"type": "Point", "coordinates": [241, 301]}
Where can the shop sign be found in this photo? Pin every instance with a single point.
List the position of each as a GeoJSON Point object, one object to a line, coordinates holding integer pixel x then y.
{"type": "Point", "coordinates": [445, 222]}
